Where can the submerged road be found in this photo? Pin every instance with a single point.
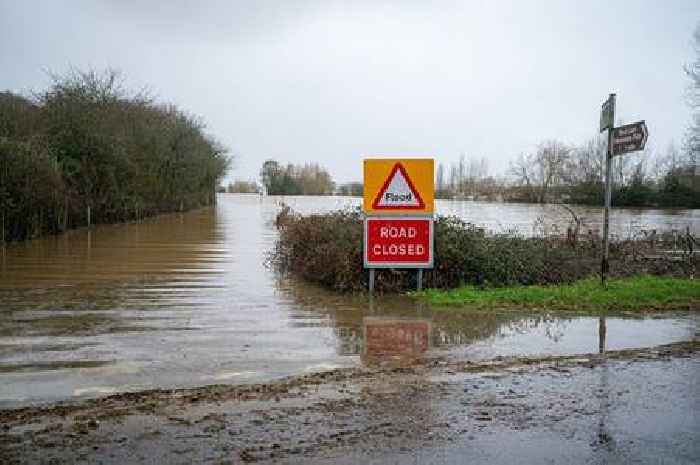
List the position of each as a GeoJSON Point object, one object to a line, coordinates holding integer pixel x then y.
{"type": "Point", "coordinates": [185, 300]}
{"type": "Point", "coordinates": [630, 406]}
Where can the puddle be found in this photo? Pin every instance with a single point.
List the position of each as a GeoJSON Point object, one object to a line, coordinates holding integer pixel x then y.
{"type": "Point", "coordinates": [532, 336]}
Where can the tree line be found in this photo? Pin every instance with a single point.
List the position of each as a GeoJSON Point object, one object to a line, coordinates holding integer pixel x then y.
{"type": "Point", "coordinates": [86, 150]}
{"type": "Point", "coordinates": [554, 172]}
{"type": "Point", "coordinates": [559, 172]}
{"type": "Point", "coordinates": [307, 179]}
{"type": "Point", "coordinates": [241, 187]}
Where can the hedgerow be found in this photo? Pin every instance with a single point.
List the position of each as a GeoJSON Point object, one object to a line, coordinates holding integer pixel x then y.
{"type": "Point", "coordinates": [327, 249]}
{"type": "Point", "coordinates": [86, 150]}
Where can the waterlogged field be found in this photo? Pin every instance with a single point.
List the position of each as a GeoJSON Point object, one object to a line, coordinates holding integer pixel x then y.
{"type": "Point", "coordinates": [186, 300]}
{"type": "Point", "coordinates": [529, 218]}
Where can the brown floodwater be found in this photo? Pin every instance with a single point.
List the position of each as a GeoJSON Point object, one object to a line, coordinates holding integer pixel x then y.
{"type": "Point", "coordinates": [186, 300]}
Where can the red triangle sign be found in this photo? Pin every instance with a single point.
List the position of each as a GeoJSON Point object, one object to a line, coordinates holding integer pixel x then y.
{"type": "Point", "coordinates": [398, 192]}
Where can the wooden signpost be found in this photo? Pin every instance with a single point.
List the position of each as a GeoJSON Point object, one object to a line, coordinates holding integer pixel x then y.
{"type": "Point", "coordinates": [399, 201]}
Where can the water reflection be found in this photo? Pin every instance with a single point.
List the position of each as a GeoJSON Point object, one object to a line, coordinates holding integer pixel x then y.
{"type": "Point", "coordinates": [605, 442]}
{"type": "Point", "coordinates": [489, 333]}
{"type": "Point", "coordinates": [395, 340]}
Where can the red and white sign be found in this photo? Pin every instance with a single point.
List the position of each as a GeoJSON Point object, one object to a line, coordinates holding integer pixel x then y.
{"type": "Point", "coordinates": [403, 242]}
{"type": "Point", "coordinates": [398, 192]}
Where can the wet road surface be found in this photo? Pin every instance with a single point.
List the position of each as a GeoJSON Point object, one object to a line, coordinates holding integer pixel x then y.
{"type": "Point", "coordinates": [634, 406]}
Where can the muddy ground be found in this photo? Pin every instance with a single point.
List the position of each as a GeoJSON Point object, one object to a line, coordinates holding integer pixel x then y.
{"type": "Point", "coordinates": [631, 406]}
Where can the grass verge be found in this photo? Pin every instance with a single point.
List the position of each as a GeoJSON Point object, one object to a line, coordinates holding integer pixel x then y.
{"type": "Point", "coordinates": [635, 293]}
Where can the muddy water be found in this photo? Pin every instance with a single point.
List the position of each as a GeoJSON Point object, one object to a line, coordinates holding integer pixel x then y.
{"type": "Point", "coordinates": [185, 300]}
{"type": "Point", "coordinates": [531, 219]}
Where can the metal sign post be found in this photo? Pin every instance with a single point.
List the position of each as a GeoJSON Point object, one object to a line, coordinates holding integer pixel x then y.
{"type": "Point", "coordinates": [621, 140]}
{"type": "Point", "coordinates": [607, 120]}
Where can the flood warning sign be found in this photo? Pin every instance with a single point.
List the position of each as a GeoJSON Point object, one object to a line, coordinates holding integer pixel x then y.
{"type": "Point", "coordinates": [396, 186]}
{"type": "Point", "coordinates": [398, 192]}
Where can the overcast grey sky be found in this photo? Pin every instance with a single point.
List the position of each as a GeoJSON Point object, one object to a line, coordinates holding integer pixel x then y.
{"type": "Point", "coordinates": [331, 81]}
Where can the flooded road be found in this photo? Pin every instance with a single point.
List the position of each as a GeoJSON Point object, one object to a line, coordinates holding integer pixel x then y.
{"type": "Point", "coordinates": [185, 300]}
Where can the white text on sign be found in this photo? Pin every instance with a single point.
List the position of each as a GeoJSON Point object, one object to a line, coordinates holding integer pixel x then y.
{"type": "Point", "coordinates": [400, 250]}
{"type": "Point", "coordinates": [393, 232]}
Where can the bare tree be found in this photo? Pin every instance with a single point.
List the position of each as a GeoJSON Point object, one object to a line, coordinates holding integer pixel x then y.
{"type": "Point", "coordinates": [541, 171]}
{"type": "Point", "coordinates": [586, 162]}
{"type": "Point", "coordinates": [522, 169]}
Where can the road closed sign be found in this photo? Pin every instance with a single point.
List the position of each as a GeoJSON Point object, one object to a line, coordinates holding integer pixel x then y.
{"type": "Point", "coordinates": [399, 186]}
{"type": "Point", "coordinates": [401, 242]}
